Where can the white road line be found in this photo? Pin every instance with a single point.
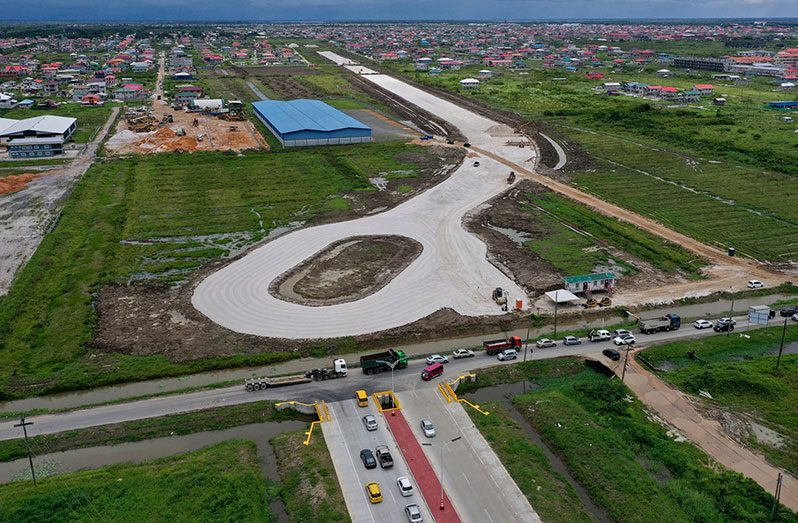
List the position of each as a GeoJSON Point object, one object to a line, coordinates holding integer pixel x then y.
{"type": "Point", "coordinates": [465, 477]}
{"type": "Point", "coordinates": [488, 514]}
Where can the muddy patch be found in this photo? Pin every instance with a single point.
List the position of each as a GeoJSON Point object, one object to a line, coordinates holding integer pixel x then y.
{"type": "Point", "coordinates": [347, 270]}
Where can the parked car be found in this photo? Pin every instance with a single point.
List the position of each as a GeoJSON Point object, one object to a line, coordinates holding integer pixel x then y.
{"type": "Point", "coordinates": [384, 456]}
{"type": "Point", "coordinates": [369, 461]}
{"type": "Point", "coordinates": [755, 284]}
{"type": "Point", "coordinates": [462, 353]}
{"type": "Point", "coordinates": [628, 339]}
{"type": "Point", "coordinates": [436, 358]}
{"type": "Point", "coordinates": [413, 513]}
{"type": "Point", "coordinates": [507, 354]}
{"type": "Point", "coordinates": [374, 492]}
{"type": "Point", "coordinates": [545, 342]}
{"type": "Point", "coordinates": [405, 487]}
{"type": "Point", "coordinates": [599, 335]}
{"type": "Point", "coordinates": [795, 317]}
{"type": "Point", "coordinates": [612, 354]}
{"type": "Point", "coordinates": [571, 340]}
{"type": "Point", "coordinates": [788, 312]}
{"type": "Point", "coordinates": [428, 428]}
{"type": "Point", "coordinates": [370, 422]}
{"type": "Point", "coordinates": [621, 332]}
{"type": "Point", "coordinates": [702, 324]}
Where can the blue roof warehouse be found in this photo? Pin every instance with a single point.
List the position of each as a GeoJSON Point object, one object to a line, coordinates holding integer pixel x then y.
{"type": "Point", "coordinates": [310, 122]}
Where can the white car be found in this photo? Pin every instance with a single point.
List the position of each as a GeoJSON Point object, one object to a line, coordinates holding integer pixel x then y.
{"type": "Point", "coordinates": [755, 284]}
{"type": "Point", "coordinates": [405, 487]}
{"type": "Point", "coordinates": [545, 342]}
{"type": "Point", "coordinates": [621, 332]}
{"type": "Point", "coordinates": [702, 324]}
{"type": "Point", "coordinates": [428, 428]}
{"type": "Point", "coordinates": [795, 317]}
{"type": "Point", "coordinates": [462, 353]}
{"type": "Point", "coordinates": [413, 513]}
{"type": "Point", "coordinates": [437, 358]}
{"type": "Point", "coordinates": [629, 339]}
{"type": "Point", "coordinates": [507, 354]}
{"type": "Point", "coordinates": [370, 422]}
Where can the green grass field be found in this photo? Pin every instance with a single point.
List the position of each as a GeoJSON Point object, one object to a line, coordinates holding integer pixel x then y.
{"type": "Point", "coordinates": [157, 219]}
{"type": "Point", "coordinates": [627, 463]}
{"type": "Point", "coordinates": [90, 119]}
{"type": "Point", "coordinates": [219, 483]}
{"type": "Point", "coordinates": [722, 175]}
{"type": "Point", "coordinates": [309, 486]}
{"type": "Point", "coordinates": [740, 374]}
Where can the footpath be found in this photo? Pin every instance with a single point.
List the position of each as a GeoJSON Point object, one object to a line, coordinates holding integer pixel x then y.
{"type": "Point", "coordinates": [678, 410]}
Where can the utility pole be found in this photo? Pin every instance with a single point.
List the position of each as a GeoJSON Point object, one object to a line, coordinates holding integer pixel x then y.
{"type": "Point", "coordinates": [776, 497]}
{"type": "Point", "coordinates": [781, 347]}
{"type": "Point", "coordinates": [24, 424]}
{"type": "Point", "coordinates": [731, 314]}
{"type": "Point", "coordinates": [526, 344]}
{"type": "Point", "coordinates": [625, 359]}
{"type": "Point", "coordinates": [556, 303]}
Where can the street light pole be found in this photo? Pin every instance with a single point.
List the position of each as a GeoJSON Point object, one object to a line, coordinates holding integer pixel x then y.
{"type": "Point", "coordinates": [731, 313]}
{"type": "Point", "coordinates": [626, 359]}
{"type": "Point", "coordinates": [446, 444]}
{"type": "Point", "coordinates": [392, 366]}
{"type": "Point", "coordinates": [556, 303]}
{"type": "Point", "coordinates": [526, 344]}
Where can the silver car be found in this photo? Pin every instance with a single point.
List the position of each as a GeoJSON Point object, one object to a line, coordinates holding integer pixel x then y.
{"type": "Point", "coordinates": [428, 428]}
{"type": "Point", "coordinates": [413, 513]}
{"type": "Point", "coordinates": [405, 487]}
{"type": "Point", "coordinates": [370, 422]}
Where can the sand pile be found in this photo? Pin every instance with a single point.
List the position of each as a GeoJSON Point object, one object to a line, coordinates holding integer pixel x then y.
{"type": "Point", "coordinates": [17, 182]}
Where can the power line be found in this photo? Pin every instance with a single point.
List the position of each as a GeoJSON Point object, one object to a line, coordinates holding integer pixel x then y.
{"type": "Point", "coordinates": [24, 424]}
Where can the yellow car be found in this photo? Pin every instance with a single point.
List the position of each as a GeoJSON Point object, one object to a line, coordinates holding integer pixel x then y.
{"type": "Point", "coordinates": [373, 490]}
{"type": "Point", "coordinates": [362, 398]}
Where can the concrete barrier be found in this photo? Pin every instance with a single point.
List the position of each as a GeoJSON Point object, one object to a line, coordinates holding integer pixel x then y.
{"type": "Point", "coordinates": [302, 408]}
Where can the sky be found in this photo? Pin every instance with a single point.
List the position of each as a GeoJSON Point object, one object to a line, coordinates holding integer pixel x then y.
{"type": "Point", "coordinates": [350, 10]}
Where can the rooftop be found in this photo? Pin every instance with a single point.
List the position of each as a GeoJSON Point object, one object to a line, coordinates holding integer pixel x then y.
{"type": "Point", "coordinates": [302, 115]}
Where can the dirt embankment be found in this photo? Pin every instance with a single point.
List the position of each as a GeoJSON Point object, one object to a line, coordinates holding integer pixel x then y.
{"type": "Point", "coordinates": [347, 270]}
{"type": "Point", "coordinates": [17, 182]}
{"type": "Point", "coordinates": [147, 318]}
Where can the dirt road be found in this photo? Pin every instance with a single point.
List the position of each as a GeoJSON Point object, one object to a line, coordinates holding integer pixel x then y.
{"type": "Point", "coordinates": [27, 214]}
{"type": "Point", "coordinates": [678, 411]}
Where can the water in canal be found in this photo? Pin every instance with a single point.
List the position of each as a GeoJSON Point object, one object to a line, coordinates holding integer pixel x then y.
{"type": "Point", "coordinates": [504, 394]}
{"type": "Point", "coordinates": [140, 451]}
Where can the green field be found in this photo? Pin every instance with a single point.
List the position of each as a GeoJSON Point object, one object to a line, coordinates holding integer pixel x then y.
{"type": "Point", "coordinates": [157, 219]}
{"type": "Point", "coordinates": [575, 253]}
{"type": "Point", "coordinates": [722, 175]}
{"type": "Point", "coordinates": [219, 483]}
{"type": "Point", "coordinates": [309, 486]}
{"type": "Point", "coordinates": [626, 462]}
{"type": "Point", "coordinates": [90, 119]}
{"type": "Point", "coordinates": [740, 374]}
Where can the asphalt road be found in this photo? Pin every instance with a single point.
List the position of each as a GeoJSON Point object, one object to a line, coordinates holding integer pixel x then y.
{"type": "Point", "coordinates": [333, 390]}
{"type": "Point", "coordinates": [346, 436]}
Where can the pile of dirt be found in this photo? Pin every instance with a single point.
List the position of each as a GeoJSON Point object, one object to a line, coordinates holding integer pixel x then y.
{"type": "Point", "coordinates": [347, 270]}
{"type": "Point", "coordinates": [179, 144]}
{"type": "Point", "coordinates": [17, 182]}
{"type": "Point", "coordinates": [164, 133]}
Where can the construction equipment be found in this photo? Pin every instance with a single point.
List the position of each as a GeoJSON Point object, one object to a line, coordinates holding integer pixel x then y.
{"type": "Point", "coordinates": [233, 128]}
{"type": "Point", "coordinates": [382, 361]}
{"type": "Point", "coordinates": [167, 118]}
{"type": "Point", "coordinates": [669, 322]}
{"type": "Point", "coordinates": [591, 303]}
{"type": "Point", "coordinates": [493, 347]}
{"type": "Point", "coordinates": [605, 302]}
{"type": "Point", "coordinates": [195, 123]}
{"type": "Point", "coordinates": [338, 370]}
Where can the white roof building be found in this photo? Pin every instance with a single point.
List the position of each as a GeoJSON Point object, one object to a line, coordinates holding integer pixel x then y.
{"type": "Point", "coordinates": [469, 82]}
{"type": "Point", "coordinates": [47, 126]}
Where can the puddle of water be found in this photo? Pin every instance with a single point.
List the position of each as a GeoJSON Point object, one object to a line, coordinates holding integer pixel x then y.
{"type": "Point", "coordinates": [140, 451]}
{"type": "Point", "coordinates": [504, 394]}
{"type": "Point", "coordinates": [518, 237]}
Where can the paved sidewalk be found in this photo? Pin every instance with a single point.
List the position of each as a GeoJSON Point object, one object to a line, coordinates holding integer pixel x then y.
{"type": "Point", "coordinates": [676, 408]}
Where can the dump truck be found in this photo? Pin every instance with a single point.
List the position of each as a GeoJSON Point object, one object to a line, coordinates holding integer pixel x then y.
{"type": "Point", "coordinates": [493, 347]}
{"type": "Point", "coordinates": [338, 370]}
{"type": "Point", "coordinates": [255, 384]}
{"type": "Point", "coordinates": [382, 361]}
{"type": "Point", "coordinates": [669, 322]}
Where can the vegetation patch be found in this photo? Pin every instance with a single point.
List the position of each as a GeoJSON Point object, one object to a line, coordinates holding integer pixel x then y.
{"type": "Point", "coordinates": [309, 486]}
{"type": "Point", "coordinates": [740, 374]}
{"type": "Point", "coordinates": [219, 483]}
{"type": "Point", "coordinates": [552, 497]}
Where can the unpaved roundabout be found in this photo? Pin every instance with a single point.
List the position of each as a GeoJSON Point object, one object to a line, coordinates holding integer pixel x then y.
{"type": "Point", "coordinates": [452, 270]}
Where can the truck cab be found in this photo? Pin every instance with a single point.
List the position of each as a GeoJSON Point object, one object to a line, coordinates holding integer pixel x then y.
{"type": "Point", "coordinates": [599, 335]}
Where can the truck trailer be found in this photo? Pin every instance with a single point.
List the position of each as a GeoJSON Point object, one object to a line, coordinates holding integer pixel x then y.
{"type": "Point", "coordinates": [493, 347]}
{"type": "Point", "coordinates": [669, 322]}
{"type": "Point", "coordinates": [382, 361]}
{"type": "Point", "coordinates": [255, 384]}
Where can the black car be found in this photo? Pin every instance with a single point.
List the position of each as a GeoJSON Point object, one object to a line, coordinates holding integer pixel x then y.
{"type": "Point", "coordinates": [369, 461]}
{"type": "Point", "coordinates": [723, 326]}
{"type": "Point", "coordinates": [612, 354]}
{"type": "Point", "coordinates": [787, 312]}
